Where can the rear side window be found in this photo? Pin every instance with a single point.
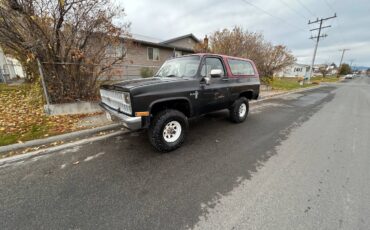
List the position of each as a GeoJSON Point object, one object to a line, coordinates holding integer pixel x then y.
{"type": "Point", "coordinates": [241, 67]}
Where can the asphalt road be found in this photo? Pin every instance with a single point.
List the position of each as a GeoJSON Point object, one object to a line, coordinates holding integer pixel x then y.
{"type": "Point", "coordinates": [298, 162]}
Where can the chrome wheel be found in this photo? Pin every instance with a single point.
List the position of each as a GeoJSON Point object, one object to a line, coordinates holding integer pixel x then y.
{"type": "Point", "coordinates": [242, 110]}
{"type": "Point", "coordinates": [172, 131]}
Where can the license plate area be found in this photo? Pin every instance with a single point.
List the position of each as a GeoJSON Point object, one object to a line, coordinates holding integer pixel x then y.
{"type": "Point", "coordinates": [109, 117]}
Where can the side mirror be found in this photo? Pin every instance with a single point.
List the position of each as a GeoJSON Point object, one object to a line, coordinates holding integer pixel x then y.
{"type": "Point", "coordinates": [206, 80]}
{"type": "Point", "coordinates": [216, 73]}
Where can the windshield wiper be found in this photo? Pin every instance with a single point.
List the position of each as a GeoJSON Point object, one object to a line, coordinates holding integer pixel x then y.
{"type": "Point", "coordinates": [171, 75]}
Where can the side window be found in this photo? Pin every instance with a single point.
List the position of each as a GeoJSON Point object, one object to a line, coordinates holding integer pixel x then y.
{"type": "Point", "coordinates": [210, 64]}
{"type": "Point", "coordinates": [241, 67]}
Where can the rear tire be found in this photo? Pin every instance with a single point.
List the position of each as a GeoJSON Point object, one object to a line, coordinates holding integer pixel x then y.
{"type": "Point", "coordinates": [239, 110]}
{"type": "Point", "coordinates": [168, 130]}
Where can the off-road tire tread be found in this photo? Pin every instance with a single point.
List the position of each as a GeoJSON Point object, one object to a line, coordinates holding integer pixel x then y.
{"type": "Point", "coordinates": [234, 110]}
{"type": "Point", "coordinates": [156, 127]}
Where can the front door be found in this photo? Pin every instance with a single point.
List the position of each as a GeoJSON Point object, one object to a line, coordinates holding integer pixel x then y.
{"type": "Point", "coordinates": [215, 95]}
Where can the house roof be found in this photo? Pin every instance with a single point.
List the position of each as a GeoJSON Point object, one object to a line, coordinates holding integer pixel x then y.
{"type": "Point", "coordinates": [303, 65]}
{"type": "Point", "coordinates": [155, 42]}
{"type": "Point", "coordinates": [192, 36]}
{"type": "Point", "coordinates": [140, 37]}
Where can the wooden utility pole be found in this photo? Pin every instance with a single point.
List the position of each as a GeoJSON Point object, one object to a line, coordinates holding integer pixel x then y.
{"type": "Point", "coordinates": [319, 35]}
{"type": "Point", "coordinates": [341, 59]}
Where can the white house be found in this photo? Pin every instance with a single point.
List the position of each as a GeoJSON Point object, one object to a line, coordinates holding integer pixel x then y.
{"type": "Point", "coordinates": [10, 68]}
{"type": "Point", "coordinates": [295, 70]}
{"type": "Point", "coordinates": [330, 69]}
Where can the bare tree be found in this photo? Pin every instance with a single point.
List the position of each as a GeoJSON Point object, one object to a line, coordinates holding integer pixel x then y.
{"type": "Point", "coordinates": [324, 70]}
{"type": "Point", "coordinates": [275, 58]}
{"type": "Point", "coordinates": [240, 43]}
{"type": "Point", "coordinates": [69, 37]}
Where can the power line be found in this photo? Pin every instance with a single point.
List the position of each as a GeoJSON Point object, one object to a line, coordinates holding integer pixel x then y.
{"type": "Point", "coordinates": [351, 60]}
{"type": "Point", "coordinates": [294, 10]}
{"type": "Point", "coordinates": [271, 15]}
{"type": "Point", "coordinates": [329, 6]}
{"type": "Point", "coordinates": [306, 8]}
{"type": "Point", "coordinates": [338, 22]}
{"type": "Point", "coordinates": [319, 35]}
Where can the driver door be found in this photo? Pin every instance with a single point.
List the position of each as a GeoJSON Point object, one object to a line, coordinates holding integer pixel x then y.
{"type": "Point", "coordinates": [215, 95]}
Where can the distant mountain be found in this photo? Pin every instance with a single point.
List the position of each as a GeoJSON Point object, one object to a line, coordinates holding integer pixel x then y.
{"type": "Point", "coordinates": [359, 68]}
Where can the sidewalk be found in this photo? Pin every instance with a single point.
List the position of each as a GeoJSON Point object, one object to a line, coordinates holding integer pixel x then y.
{"type": "Point", "coordinates": [270, 93]}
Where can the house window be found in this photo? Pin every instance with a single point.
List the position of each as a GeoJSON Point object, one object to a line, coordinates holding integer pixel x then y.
{"type": "Point", "coordinates": [115, 51]}
{"type": "Point", "coordinates": [298, 69]}
{"type": "Point", "coordinates": [153, 54]}
{"type": "Point", "coordinates": [240, 67]}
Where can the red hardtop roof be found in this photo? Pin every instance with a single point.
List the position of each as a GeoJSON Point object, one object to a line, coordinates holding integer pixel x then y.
{"type": "Point", "coordinates": [220, 55]}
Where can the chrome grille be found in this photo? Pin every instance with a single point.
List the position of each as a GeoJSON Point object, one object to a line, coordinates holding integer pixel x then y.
{"type": "Point", "coordinates": [116, 100]}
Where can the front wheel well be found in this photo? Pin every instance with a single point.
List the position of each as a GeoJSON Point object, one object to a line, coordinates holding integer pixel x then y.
{"type": "Point", "coordinates": [181, 105]}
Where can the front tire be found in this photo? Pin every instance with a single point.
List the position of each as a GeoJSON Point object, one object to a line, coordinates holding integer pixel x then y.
{"type": "Point", "coordinates": [168, 130]}
{"type": "Point", "coordinates": [239, 110]}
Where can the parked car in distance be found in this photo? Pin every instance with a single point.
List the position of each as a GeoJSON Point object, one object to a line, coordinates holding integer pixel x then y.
{"type": "Point", "coordinates": [348, 76]}
{"type": "Point", "coordinates": [183, 87]}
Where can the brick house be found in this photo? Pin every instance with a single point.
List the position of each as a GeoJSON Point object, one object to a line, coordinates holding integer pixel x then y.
{"type": "Point", "coordinates": [145, 52]}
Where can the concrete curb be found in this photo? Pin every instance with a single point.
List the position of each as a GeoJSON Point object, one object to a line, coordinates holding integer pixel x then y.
{"type": "Point", "coordinates": [52, 139]}
{"type": "Point", "coordinates": [42, 152]}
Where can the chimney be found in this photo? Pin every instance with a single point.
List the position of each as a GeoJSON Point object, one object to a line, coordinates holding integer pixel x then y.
{"type": "Point", "coordinates": [205, 43]}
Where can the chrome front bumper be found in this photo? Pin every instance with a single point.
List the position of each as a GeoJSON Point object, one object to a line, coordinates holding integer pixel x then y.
{"type": "Point", "coordinates": [132, 123]}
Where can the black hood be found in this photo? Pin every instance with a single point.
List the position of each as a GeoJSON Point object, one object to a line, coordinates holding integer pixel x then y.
{"type": "Point", "coordinates": [130, 84]}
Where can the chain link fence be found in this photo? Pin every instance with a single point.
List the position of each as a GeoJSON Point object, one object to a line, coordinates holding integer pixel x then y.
{"type": "Point", "coordinates": [68, 82]}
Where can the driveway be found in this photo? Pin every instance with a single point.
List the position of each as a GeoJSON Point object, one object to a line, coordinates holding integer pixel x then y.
{"type": "Point", "coordinates": [298, 162]}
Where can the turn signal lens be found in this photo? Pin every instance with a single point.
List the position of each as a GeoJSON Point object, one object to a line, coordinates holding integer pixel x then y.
{"type": "Point", "coordinates": [141, 114]}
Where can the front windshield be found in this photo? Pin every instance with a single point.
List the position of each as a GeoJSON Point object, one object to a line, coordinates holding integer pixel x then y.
{"type": "Point", "coordinates": [180, 67]}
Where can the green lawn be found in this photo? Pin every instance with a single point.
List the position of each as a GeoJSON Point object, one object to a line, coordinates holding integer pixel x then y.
{"type": "Point", "coordinates": [288, 83]}
{"type": "Point", "coordinates": [325, 79]}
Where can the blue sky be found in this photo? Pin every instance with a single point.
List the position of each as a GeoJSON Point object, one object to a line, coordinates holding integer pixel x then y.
{"type": "Point", "coordinates": [289, 24]}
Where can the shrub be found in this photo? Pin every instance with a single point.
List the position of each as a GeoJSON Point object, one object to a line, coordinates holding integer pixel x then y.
{"type": "Point", "coordinates": [146, 72]}
{"type": "Point", "coordinates": [267, 80]}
